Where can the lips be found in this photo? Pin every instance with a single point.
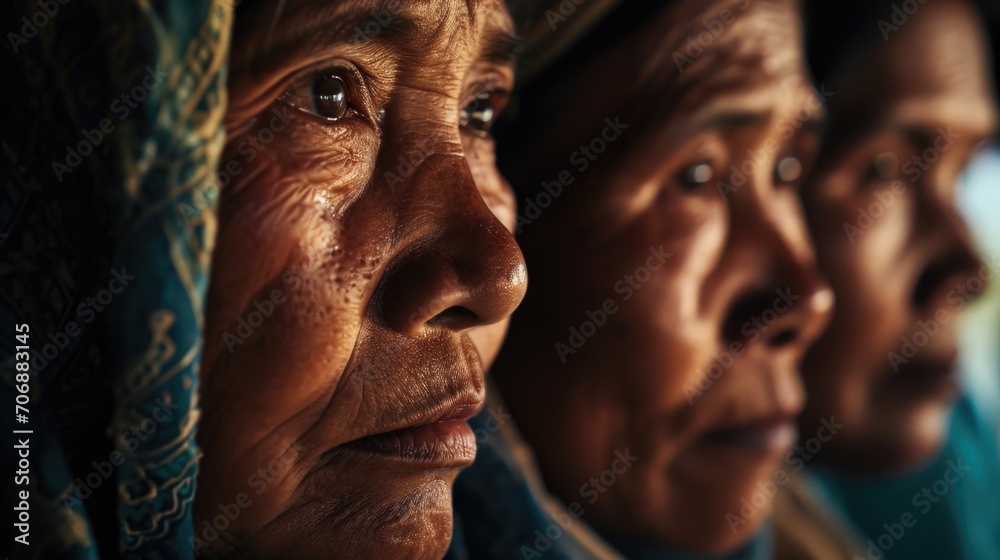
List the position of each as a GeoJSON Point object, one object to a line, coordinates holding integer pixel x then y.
{"type": "Point", "coordinates": [772, 434]}
{"type": "Point", "coordinates": [928, 376]}
{"type": "Point", "coordinates": [445, 444]}
{"type": "Point", "coordinates": [436, 436]}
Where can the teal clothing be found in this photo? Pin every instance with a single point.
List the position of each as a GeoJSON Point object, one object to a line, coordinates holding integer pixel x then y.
{"type": "Point", "coordinates": [760, 547]}
{"type": "Point", "coordinates": [952, 506]}
{"type": "Point", "coordinates": [111, 138]}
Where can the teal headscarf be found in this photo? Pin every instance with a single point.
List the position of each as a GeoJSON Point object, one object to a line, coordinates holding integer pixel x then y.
{"type": "Point", "coordinates": [110, 142]}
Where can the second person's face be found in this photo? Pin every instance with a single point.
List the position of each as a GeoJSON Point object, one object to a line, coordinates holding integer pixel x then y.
{"type": "Point", "coordinates": [673, 290]}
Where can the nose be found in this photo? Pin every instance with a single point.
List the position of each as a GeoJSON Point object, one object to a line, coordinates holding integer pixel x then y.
{"type": "Point", "coordinates": [777, 298]}
{"type": "Point", "coordinates": [952, 267]}
{"type": "Point", "coordinates": [460, 267]}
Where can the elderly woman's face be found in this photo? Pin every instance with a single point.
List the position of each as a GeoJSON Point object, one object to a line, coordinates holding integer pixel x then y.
{"type": "Point", "coordinates": [673, 285]}
{"type": "Point", "coordinates": [882, 208]}
{"type": "Point", "coordinates": [362, 277]}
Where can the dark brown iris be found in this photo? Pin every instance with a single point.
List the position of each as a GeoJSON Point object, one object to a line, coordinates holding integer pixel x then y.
{"type": "Point", "coordinates": [329, 97]}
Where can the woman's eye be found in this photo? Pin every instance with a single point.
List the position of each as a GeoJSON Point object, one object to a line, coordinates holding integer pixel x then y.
{"type": "Point", "coordinates": [788, 170]}
{"type": "Point", "coordinates": [478, 116]}
{"type": "Point", "coordinates": [884, 166]}
{"type": "Point", "coordinates": [329, 97]}
{"type": "Point", "coordinates": [325, 95]}
{"type": "Point", "coordinates": [696, 175]}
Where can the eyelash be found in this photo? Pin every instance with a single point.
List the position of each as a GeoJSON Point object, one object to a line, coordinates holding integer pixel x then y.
{"type": "Point", "coordinates": [475, 117]}
{"type": "Point", "coordinates": [494, 97]}
{"type": "Point", "coordinates": [690, 176]}
{"type": "Point", "coordinates": [688, 180]}
{"type": "Point", "coordinates": [302, 95]}
{"type": "Point", "coordinates": [889, 164]}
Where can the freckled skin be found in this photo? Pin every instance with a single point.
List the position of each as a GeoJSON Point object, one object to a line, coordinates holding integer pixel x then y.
{"type": "Point", "coordinates": [626, 386]}
{"type": "Point", "coordinates": [395, 296]}
{"type": "Point", "coordinates": [903, 267]}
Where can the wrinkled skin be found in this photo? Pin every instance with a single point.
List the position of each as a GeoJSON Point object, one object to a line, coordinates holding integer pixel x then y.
{"type": "Point", "coordinates": [641, 382]}
{"type": "Point", "coordinates": [910, 268]}
{"type": "Point", "coordinates": [397, 279]}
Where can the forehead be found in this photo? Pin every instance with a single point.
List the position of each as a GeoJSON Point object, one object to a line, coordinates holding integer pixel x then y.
{"type": "Point", "coordinates": [413, 25]}
{"type": "Point", "coordinates": [726, 56]}
{"type": "Point", "coordinates": [933, 69]}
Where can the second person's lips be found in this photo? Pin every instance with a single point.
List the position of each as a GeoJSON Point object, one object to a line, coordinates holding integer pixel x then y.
{"type": "Point", "coordinates": [774, 433]}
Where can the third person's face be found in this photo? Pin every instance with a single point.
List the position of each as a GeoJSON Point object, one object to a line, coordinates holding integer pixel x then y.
{"type": "Point", "coordinates": [882, 210]}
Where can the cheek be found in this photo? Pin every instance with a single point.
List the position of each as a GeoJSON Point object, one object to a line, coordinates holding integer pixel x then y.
{"type": "Point", "coordinates": [269, 220]}
{"type": "Point", "coordinates": [862, 249]}
{"type": "Point", "coordinates": [488, 340]}
{"type": "Point", "coordinates": [280, 275]}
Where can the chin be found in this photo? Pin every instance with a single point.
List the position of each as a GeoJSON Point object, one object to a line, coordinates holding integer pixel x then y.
{"type": "Point", "coordinates": [395, 519]}
{"type": "Point", "coordinates": [719, 538]}
{"type": "Point", "coordinates": [716, 520]}
{"type": "Point", "coordinates": [751, 508]}
{"type": "Point", "coordinates": [897, 447]}
{"type": "Point", "coordinates": [919, 443]}
{"type": "Point", "coordinates": [416, 525]}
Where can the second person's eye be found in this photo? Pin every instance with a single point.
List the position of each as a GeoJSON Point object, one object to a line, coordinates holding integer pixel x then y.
{"type": "Point", "coordinates": [479, 115]}
{"type": "Point", "coordinates": [694, 176]}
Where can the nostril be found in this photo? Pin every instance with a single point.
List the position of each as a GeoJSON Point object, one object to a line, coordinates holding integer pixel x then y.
{"type": "Point", "coordinates": [456, 317]}
{"type": "Point", "coordinates": [927, 284]}
{"type": "Point", "coordinates": [933, 279]}
{"type": "Point", "coordinates": [786, 336]}
{"type": "Point", "coordinates": [749, 317]}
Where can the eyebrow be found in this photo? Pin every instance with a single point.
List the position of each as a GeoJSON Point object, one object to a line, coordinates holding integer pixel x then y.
{"type": "Point", "coordinates": [501, 47]}
{"type": "Point", "coordinates": [920, 135]}
{"type": "Point", "coordinates": [733, 120]}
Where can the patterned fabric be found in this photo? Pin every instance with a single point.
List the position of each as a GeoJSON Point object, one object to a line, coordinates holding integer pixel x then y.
{"type": "Point", "coordinates": [112, 134]}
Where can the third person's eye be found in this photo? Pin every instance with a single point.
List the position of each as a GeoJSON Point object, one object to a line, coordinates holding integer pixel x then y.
{"type": "Point", "coordinates": [884, 166]}
{"type": "Point", "coordinates": [788, 170]}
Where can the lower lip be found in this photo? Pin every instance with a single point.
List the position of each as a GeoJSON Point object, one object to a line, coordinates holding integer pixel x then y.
{"type": "Point", "coordinates": [769, 437]}
{"type": "Point", "coordinates": [447, 444]}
